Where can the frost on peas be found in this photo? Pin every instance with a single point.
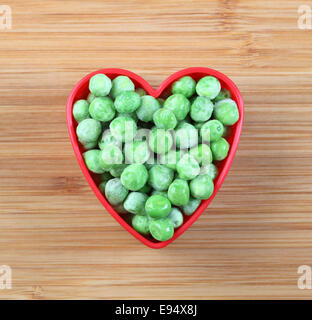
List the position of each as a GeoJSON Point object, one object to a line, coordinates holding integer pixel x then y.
{"type": "Point", "coordinates": [136, 152]}
{"type": "Point", "coordinates": [121, 84]}
{"type": "Point", "coordinates": [115, 192]}
{"type": "Point", "coordinates": [171, 158]}
{"type": "Point", "coordinates": [117, 170]}
{"type": "Point", "coordinates": [212, 130]}
{"type": "Point", "coordinates": [149, 105]}
{"type": "Point", "coordinates": [208, 86]}
{"type": "Point", "coordinates": [160, 141]}
{"type": "Point", "coordinates": [102, 109]}
{"type": "Point", "coordinates": [187, 167]}
{"type": "Point", "coordinates": [219, 149]}
{"type": "Point", "coordinates": [202, 187]}
{"type": "Point", "coordinates": [123, 128]}
{"type": "Point", "coordinates": [179, 105]}
{"type": "Point", "coordinates": [209, 169]}
{"type": "Point", "coordinates": [100, 85]}
{"type": "Point", "coordinates": [186, 136]}
{"type": "Point", "coordinates": [202, 154]}
{"type": "Point", "coordinates": [91, 159]}
{"type": "Point", "coordinates": [134, 177]}
{"type": "Point", "coordinates": [226, 111]}
{"type": "Point", "coordinates": [160, 177]}
{"type": "Point", "coordinates": [88, 130]}
{"type": "Point", "coordinates": [185, 85]}
{"type": "Point", "coordinates": [201, 109]}
{"type": "Point", "coordinates": [161, 229]}
{"type": "Point", "coordinates": [127, 102]}
{"type": "Point", "coordinates": [81, 110]}
{"type": "Point", "coordinates": [223, 94]}
{"type": "Point", "coordinates": [189, 208]}
{"type": "Point", "coordinates": [176, 217]}
{"type": "Point", "coordinates": [91, 97]}
{"type": "Point", "coordinates": [108, 138]}
{"type": "Point", "coordinates": [164, 119]}
{"type": "Point", "coordinates": [135, 203]}
{"type": "Point", "coordinates": [179, 192]}
{"type": "Point", "coordinates": [90, 145]}
{"type": "Point", "coordinates": [141, 224]}
{"type": "Point", "coordinates": [110, 156]}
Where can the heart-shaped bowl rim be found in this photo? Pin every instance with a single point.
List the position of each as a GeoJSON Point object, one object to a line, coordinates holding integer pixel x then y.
{"type": "Point", "coordinates": [81, 90]}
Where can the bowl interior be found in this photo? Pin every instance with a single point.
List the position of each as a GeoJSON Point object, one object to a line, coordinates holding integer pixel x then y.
{"type": "Point", "coordinates": [81, 91]}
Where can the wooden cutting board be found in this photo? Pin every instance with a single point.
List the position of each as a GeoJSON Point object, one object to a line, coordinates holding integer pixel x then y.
{"type": "Point", "coordinates": [55, 235]}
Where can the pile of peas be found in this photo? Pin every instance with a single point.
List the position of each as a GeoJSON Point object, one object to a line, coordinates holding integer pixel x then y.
{"type": "Point", "coordinates": [155, 158]}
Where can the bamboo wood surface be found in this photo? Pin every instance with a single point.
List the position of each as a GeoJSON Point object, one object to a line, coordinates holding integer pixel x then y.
{"type": "Point", "coordinates": [58, 239]}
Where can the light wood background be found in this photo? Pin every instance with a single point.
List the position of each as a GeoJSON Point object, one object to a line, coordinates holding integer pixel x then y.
{"type": "Point", "coordinates": [56, 236]}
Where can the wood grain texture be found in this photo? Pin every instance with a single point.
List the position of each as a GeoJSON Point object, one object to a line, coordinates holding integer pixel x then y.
{"type": "Point", "coordinates": [56, 236]}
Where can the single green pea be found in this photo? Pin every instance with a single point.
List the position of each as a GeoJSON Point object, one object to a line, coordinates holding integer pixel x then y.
{"type": "Point", "coordinates": [141, 92]}
{"type": "Point", "coordinates": [115, 192]}
{"type": "Point", "coordinates": [209, 169]}
{"type": "Point", "coordinates": [127, 102]}
{"type": "Point", "coordinates": [226, 111]}
{"type": "Point", "coordinates": [134, 177]}
{"type": "Point", "coordinates": [81, 110]}
{"type": "Point", "coordinates": [185, 85]}
{"type": "Point", "coordinates": [208, 86]}
{"type": "Point", "coordinates": [132, 115]}
{"type": "Point", "coordinates": [102, 109]}
{"type": "Point", "coordinates": [212, 130]}
{"type": "Point", "coordinates": [88, 130]}
{"type": "Point", "coordinates": [160, 177]}
{"type": "Point", "coordinates": [187, 167]}
{"type": "Point", "coordinates": [105, 176]}
{"type": "Point", "coordinates": [171, 158]}
{"type": "Point", "coordinates": [135, 203]}
{"type": "Point", "coordinates": [90, 145]}
{"type": "Point", "coordinates": [102, 186]}
{"type": "Point", "coordinates": [164, 119]}
{"type": "Point", "coordinates": [121, 84]}
{"type": "Point", "coordinates": [160, 141]}
{"type": "Point", "coordinates": [161, 229]}
{"type": "Point", "coordinates": [108, 138]}
{"type": "Point", "coordinates": [178, 104]}
{"type": "Point", "coordinates": [136, 152]}
{"type": "Point", "coordinates": [201, 109]}
{"type": "Point", "coordinates": [100, 85]}
{"type": "Point", "coordinates": [202, 154]}
{"type": "Point", "coordinates": [161, 193]}
{"type": "Point", "coordinates": [189, 208]}
{"type": "Point", "coordinates": [176, 217]}
{"type": "Point", "coordinates": [146, 189]}
{"type": "Point", "coordinates": [91, 159]}
{"type": "Point", "coordinates": [110, 156]}
{"type": "Point", "coordinates": [202, 187]}
{"type": "Point", "coordinates": [117, 170]}
{"type": "Point", "coordinates": [149, 105]}
{"type": "Point", "coordinates": [91, 97]}
{"type": "Point", "coordinates": [223, 94]}
{"type": "Point", "coordinates": [219, 149]}
{"type": "Point", "coordinates": [157, 206]}
{"type": "Point", "coordinates": [140, 224]}
{"type": "Point", "coordinates": [179, 192]}
{"type": "Point", "coordinates": [186, 136]}
{"type": "Point", "coordinates": [123, 128]}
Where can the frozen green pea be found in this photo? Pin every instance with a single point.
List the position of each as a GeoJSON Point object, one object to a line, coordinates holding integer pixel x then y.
{"type": "Point", "coordinates": [100, 85]}
{"type": "Point", "coordinates": [160, 141]}
{"type": "Point", "coordinates": [102, 109]}
{"type": "Point", "coordinates": [219, 149]}
{"type": "Point", "coordinates": [161, 229]}
{"type": "Point", "coordinates": [105, 176]}
{"type": "Point", "coordinates": [121, 84]}
{"type": "Point", "coordinates": [187, 167]}
{"type": "Point", "coordinates": [108, 138]}
{"type": "Point", "coordinates": [212, 130]}
{"type": "Point", "coordinates": [91, 159]}
{"type": "Point", "coordinates": [160, 177]}
{"type": "Point", "coordinates": [179, 192]}
{"type": "Point", "coordinates": [136, 152]}
{"type": "Point", "coordinates": [191, 206]}
{"type": "Point", "coordinates": [157, 206]}
{"type": "Point", "coordinates": [132, 115]}
{"type": "Point", "coordinates": [209, 169]}
{"type": "Point", "coordinates": [90, 145]}
{"type": "Point", "coordinates": [88, 130]}
{"type": "Point", "coordinates": [135, 203]}
{"type": "Point", "coordinates": [208, 86]}
{"type": "Point", "coordinates": [202, 187]}
{"type": "Point", "coordinates": [185, 85]}
{"type": "Point", "coordinates": [226, 111]}
{"type": "Point", "coordinates": [186, 136]}
{"type": "Point", "coordinates": [117, 170]}
{"type": "Point", "coordinates": [134, 177]}
{"type": "Point", "coordinates": [161, 101]}
{"type": "Point", "coordinates": [179, 105]}
{"type": "Point", "coordinates": [140, 224]}
{"type": "Point", "coordinates": [110, 156]}
{"type": "Point", "coordinates": [202, 154]}
{"type": "Point", "coordinates": [171, 158]}
{"type": "Point", "coordinates": [223, 94]}
{"type": "Point", "coordinates": [102, 186]}
{"type": "Point", "coordinates": [164, 119]}
{"type": "Point", "coordinates": [201, 109]}
{"type": "Point", "coordinates": [146, 189]}
{"type": "Point", "coordinates": [127, 102]}
{"type": "Point", "coordinates": [123, 128]}
{"type": "Point", "coordinates": [149, 105]}
{"type": "Point", "coordinates": [91, 97]}
{"type": "Point", "coordinates": [141, 92]}
{"type": "Point", "coordinates": [115, 192]}
{"type": "Point", "coordinates": [161, 193]}
{"type": "Point", "coordinates": [81, 110]}
{"type": "Point", "coordinates": [176, 217]}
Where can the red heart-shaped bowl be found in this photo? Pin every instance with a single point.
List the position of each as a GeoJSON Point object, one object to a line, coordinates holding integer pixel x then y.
{"type": "Point", "coordinates": [81, 91]}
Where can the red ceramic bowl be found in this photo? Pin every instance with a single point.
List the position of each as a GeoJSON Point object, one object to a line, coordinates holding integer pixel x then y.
{"type": "Point", "coordinates": [81, 91]}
